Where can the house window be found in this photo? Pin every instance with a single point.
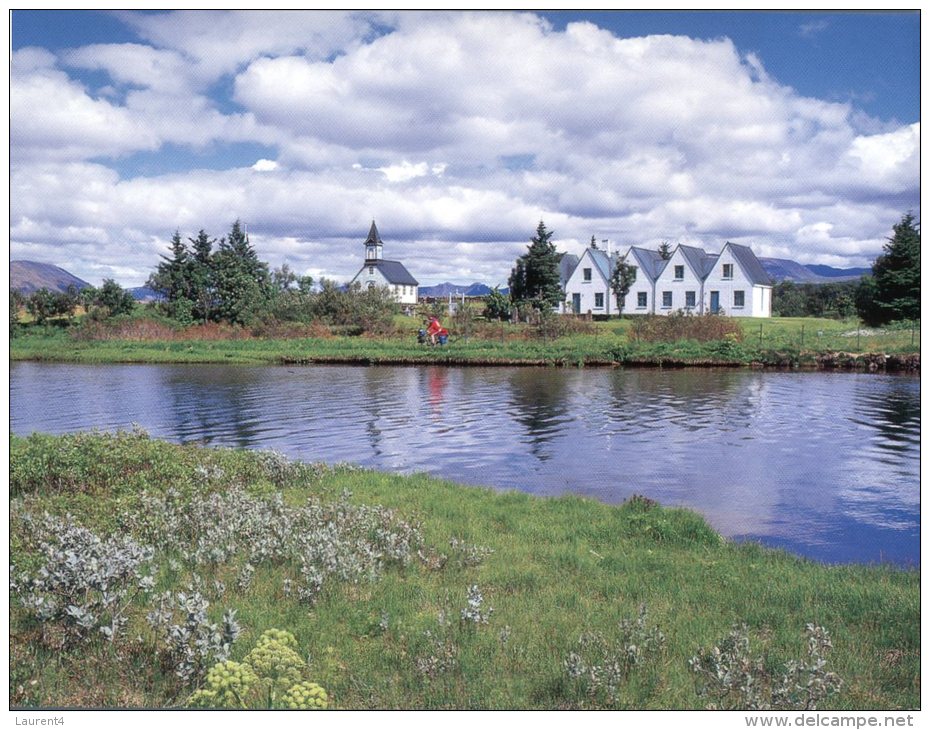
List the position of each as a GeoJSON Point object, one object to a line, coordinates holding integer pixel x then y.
{"type": "Point", "coordinates": [641, 299]}
{"type": "Point", "coordinates": [689, 299]}
{"type": "Point", "coordinates": [739, 299]}
{"type": "Point", "coordinates": [599, 300]}
{"type": "Point", "coordinates": [666, 299]}
{"type": "Point", "coordinates": [679, 273]}
{"type": "Point", "coordinates": [371, 285]}
{"type": "Point", "coordinates": [371, 270]}
{"type": "Point", "coordinates": [728, 271]}
{"type": "Point", "coordinates": [586, 274]}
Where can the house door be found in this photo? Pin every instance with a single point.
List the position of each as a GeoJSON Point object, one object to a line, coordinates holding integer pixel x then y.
{"type": "Point", "coordinates": [714, 302]}
{"type": "Point", "coordinates": [576, 303]}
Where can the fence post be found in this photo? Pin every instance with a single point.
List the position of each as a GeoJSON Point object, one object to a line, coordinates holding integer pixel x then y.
{"type": "Point", "coordinates": [802, 336]}
{"type": "Point", "coordinates": [858, 332]}
{"type": "Point", "coordinates": [760, 334]}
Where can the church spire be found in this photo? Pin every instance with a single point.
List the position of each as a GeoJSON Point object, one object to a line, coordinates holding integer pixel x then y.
{"type": "Point", "coordinates": [373, 237]}
{"type": "Point", "coordinates": [373, 245]}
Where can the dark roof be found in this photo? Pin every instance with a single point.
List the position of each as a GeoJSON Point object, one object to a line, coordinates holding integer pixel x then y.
{"type": "Point", "coordinates": [700, 261]}
{"type": "Point", "coordinates": [567, 265]}
{"type": "Point", "coordinates": [373, 237]}
{"type": "Point", "coordinates": [602, 261]}
{"type": "Point", "coordinates": [395, 272]}
{"type": "Point", "coordinates": [651, 262]}
{"type": "Point", "coordinates": [750, 264]}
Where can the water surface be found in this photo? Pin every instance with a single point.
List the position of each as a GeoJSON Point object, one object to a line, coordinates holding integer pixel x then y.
{"type": "Point", "coordinates": [824, 465]}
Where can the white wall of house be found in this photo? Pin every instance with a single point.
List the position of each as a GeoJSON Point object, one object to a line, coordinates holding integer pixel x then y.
{"type": "Point", "coordinates": [676, 281]}
{"type": "Point", "coordinates": [371, 276]}
{"type": "Point", "coordinates": [405, 293]}
{"type": "Point", "coordinates": [588, 288]}
{"type": "Point", "coordinates": [739, 297]}
{"type": "Point", "coordinates": [641, 297]}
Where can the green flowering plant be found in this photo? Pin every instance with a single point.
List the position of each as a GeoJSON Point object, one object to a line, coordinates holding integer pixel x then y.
{"type": "Point", "coordinates": [306, 696]}
{"type": "Point", "coordinates": [228, 686]}
{"type": "Point", "coordinates": [272, 676]}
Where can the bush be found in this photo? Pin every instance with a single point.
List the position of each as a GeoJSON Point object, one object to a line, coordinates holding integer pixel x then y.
{"type": "Point", "coordinates": [733, 679]}
{"type": "Point", "coordinates": [685, 326]}
{"type": "Point", "coordinates": [272, 676]}
{"type": "Point", "coordinates": [599, 668]}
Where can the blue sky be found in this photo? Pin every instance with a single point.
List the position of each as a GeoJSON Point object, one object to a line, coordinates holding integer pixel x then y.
{"type": "Point", "coordinates": [795, 133]}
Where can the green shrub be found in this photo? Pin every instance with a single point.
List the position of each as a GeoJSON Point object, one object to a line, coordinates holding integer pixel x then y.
{"type": "Point", "coordinates": [272, 676]}
{"type": "Point", "coordinates": [685, 326]}
{"type": "Point", "coordinates": [732, 678]}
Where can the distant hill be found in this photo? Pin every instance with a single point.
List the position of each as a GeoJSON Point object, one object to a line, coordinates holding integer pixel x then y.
{"type": "Point", "coordinates": [787, 270]}
{"type": "Point", "coordinates": [446, 288]}
{"type": "Point", "coordinates": [838, 274]}
{"type": "Point", "coordinates": [144, 294]}
{"type": "Point", "coordinates": [30, 276]}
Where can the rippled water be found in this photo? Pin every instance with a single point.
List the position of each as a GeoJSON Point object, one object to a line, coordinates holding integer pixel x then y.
{"type": "Point", "coordinates": [825, 465]}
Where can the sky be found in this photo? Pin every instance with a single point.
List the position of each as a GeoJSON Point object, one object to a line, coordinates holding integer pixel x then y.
{"type": "Point", "coordinates": [794, 133]}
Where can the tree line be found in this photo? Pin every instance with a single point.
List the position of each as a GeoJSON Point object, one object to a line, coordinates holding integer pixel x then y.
{"type": "Point", "coordinates": [890, 293]}
{"type": "Point", "coordinates": [204, 280]}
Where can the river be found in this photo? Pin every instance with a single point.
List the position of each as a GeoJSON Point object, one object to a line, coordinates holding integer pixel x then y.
{"type": "Point", "coordinates": [825, 465]}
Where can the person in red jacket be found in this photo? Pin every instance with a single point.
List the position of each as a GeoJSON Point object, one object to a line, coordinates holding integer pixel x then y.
{"type": "Point", "coordinates": [432, 330]}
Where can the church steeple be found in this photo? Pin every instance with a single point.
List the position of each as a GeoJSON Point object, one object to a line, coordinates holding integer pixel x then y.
{"type": "Point", "coordinates": [373, 244]}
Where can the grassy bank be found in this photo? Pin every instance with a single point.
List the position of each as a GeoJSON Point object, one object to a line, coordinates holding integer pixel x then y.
{"type": "Point", "coordinates": [390, 590]}
{"type": "Point", "coordinates": [805, 343]}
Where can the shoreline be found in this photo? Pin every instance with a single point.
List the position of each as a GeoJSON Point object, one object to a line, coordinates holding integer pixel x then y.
{"type": "Point", "coordinates": [152, 353]}
{"type": "Point", "coordinates": [551, 569]}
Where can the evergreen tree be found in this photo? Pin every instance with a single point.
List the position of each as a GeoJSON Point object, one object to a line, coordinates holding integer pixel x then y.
{"type": "Point", "coordinates": [893, 291]}
{"type": "Point", "coordinates": [243, 283]}
{"type": "Point", "coordinates": [621, 279]}
{"type": "Point", "coordinates": [535, 277]}
{"type": "Point", "coordinates": [172, 278]}
{"type": "Point", "coordinates": [201, 275]}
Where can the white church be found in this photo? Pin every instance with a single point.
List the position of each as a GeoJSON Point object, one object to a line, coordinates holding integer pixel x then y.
{"type": "Point", "coordinates": [378, 271]}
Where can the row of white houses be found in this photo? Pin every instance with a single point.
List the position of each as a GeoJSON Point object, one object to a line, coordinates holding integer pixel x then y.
{"type": "Point", "coordinates": [732, 282]}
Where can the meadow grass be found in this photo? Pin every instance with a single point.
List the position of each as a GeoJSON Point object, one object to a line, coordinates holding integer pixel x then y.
{"type": "Point", "coordinates": [552, 569]}
{"type": "Point", "coordinates": [780, 342]}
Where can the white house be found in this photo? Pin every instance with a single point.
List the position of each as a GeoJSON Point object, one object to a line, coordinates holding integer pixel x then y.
{"type": "Point", "coordinates": [691, 280]}
{"type": "Point", "coordinates": [641, 299]}
{"type": "Point", "coordinates": [588, 286]}
{"type": "Point", "coordinates": [377, 271]}
{"type": "Point", "coordinates": [680, 284]}
{"type": "Point", "coordinates": [737, 284]}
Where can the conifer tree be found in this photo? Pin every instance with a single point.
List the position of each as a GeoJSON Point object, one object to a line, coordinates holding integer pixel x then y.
{"type": "Point", "coordinates": [893, 291]}
{"type": "Point", "coordinates": [242, 282]}
{"type": "Point", "coordinates": [535, 276]}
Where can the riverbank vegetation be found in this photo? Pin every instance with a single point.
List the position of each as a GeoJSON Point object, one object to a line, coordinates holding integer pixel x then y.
{"type": "Point", "coordinates": [561, 341]}
{"type": "Point", "coordinates": [219, 303]}
{"type": "Point", "coordinates": [147, 574]}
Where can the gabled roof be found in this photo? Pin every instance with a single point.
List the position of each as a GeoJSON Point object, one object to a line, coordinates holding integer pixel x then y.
{"type": "Point", "coordinates": [698, 259]}
{"type": "Point", "coordinates": [373, 237]}
{"type": "Point", "coordinates": [649, 262]}
{"type": "Point", "coordinates": [602, 261]}
{"type": "Point", "coordinates": [749, 263]}
{"type": "Point", "coordinates": [394, 271]}
{"type": "Point", "coordinates": [567, 265]}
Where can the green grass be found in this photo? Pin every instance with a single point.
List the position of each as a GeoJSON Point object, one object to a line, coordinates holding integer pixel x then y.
{"type": "Point", "coordinates": [559, 567]}
{"type": "Point", "coordinates": [780, 345]}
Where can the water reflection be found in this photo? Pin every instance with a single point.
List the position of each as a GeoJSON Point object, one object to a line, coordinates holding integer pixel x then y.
{"type": "Point", "coordinates": [826, 465]}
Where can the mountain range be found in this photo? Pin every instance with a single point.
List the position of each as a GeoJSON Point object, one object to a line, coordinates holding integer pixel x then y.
{"type": "Point", "coordinates": [787, 270]}
{"type": "Point", "coordinates": [30, 276]}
